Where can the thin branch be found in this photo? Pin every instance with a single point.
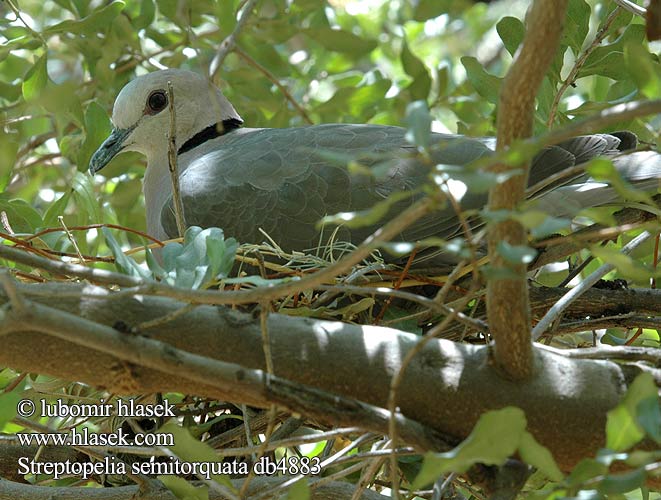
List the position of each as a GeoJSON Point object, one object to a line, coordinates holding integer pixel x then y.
{"type": "Point", "coordinates": [94, 226]}
{"type": "Point", "coordinates": [622, 353]}
{"type": "Point", "coordinates": [562, 304]}
{"type": "Point", "coordinates": [229, 43]}
{"type": "Point", "coordinates": [617, 321]}
{"type": "Point", "coordinates": [631, 7]}
{"type": "Point", "coordinates": [71, 239]}
{"type": "Point", "coordinates": [329, 461]}
{"type": "Point", "coordinates": [172, 165]}
{"type": "Point", "coordinates": [274, 79]}
{"type": "Point", "coordinates": [571, 78]}
{"type": "Point", "coordinates": [604, 118]}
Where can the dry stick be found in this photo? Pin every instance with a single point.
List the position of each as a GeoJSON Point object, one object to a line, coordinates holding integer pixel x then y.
{"type": "Point", "coordinates": [329, 461]}
{"type": "Point", "coordinates": [93, 226]}
{"type": "Point", "coordinates": [71, 238]}
{"type": "Point", "coordinates": [172, 164]}
{"type": "Point", "coordinates": [564, 302]}
{"type": "Point", "coordinates": [369, 473]}
{"type": "Point", "coordinates": [228, 44]}
{"type": "Point", "coordinates": [273, 411]}
{"type": "Point", "coordinates": [571, 78]}
{"type": "Point", "coordinates": [508, 301]}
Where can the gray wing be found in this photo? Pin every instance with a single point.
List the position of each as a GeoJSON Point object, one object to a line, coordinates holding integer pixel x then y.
{"type": "Point", "coordinates": [285, 180]}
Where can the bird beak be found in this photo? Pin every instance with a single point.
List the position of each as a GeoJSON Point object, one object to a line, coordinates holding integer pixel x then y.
{"type": "Point", "coordinates": [111, 147]}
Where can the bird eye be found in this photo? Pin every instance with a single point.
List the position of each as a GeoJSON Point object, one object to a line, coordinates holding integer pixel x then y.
{"type": "Point", "coordinates": [156, 101]}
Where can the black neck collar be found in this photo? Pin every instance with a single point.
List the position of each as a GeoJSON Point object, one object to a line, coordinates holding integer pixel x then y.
{"type": "Point", "coordinates": [211, 132]}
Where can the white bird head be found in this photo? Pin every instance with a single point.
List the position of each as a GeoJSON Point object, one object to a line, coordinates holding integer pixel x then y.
{"type": "Point", "coordinates": [141, 115]}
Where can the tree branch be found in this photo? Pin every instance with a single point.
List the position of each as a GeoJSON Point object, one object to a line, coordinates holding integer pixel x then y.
{"type": "Point", "coordinates": [333, 371]}
{"type": "Point", "coordinates": [507, 297]}
{"type": "Point", "coordinates": [557, 308]}
{"type": "Point", "coordinates": [172, 165]}
{"type": "Point", "coordinates": [228, 44]}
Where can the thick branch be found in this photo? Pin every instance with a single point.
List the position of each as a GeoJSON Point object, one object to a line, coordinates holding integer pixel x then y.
{"type": "Point", "coordinates": [605, 308]}
{"type": "Point", "coordinates": [445, 389]}
{"type": "Point", "coordinates": [507, 297]}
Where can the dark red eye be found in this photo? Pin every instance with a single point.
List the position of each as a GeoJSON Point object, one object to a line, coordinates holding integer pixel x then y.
{"type": "Point", "coordinates": [156, 101]}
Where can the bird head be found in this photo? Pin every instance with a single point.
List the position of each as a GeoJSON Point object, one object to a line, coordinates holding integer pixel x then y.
{"type": "Point", "coordinates": [141, 115]}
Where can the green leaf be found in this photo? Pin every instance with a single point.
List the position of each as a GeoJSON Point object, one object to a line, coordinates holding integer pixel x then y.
{"type": "Point", "coordinates": [8, 403]}
{"type": "Point", "coordinates": [8, 150]}
{"type": "Point", "coordinates": [485, 84]}
{"type": "Point", "coordinates": [541, 224]}
{"type": "Point", "coordinates": [418, 124]}
{"type": "Point", "coordinates": [205, 256]}
{"type": "Point", "coordinates": [494, 439]}
{"type": "Point", "coordinates": [27, 212]}
{"type": "Point", "coordinates": [226, 13]}
{"type": "Point", "coordinates": [644, 70]}
{"type": "Point", "coordinates": [540, 457]}
{"type": "Point", "coordinates": [577, 24]}
{"type": "Point", "coordinates": [477, 181]}
{"type": "Point", "coordinates": [622, 483]}
{"type": "Point", "coordinates": [147, 13]}
{"type": "Point", "coordinates": [347, 313]}
{"type": "Point", "coordinates": [365, 217]}
{"type": "Point", "coordinates": [610, 66]}
{"type": "Point", "coordinates": [428, 9]}
{"type": "Point", "coordinates": [259, 281]}
{"type": "Point", "coordinates": [300, 490]}
{"type": "Point", "coordinates": [622, 427]}
{"type": "Point", "coordinates": [415, 68]}
{"type": "Point", "coordinates": [21, 216]}
{"type": "Point", "coordinates": [603, 169]}
{"type": "Point", "coordinates": [586, 469]}
{"type": "Point", "coordinates": [516, 254]}
{"type": "Point", "coordinates": [511, 31]}
{"type": "Point", "coordinates": [361, 101]}
{"type": "Point", "coordinates": [35, 80]}
{"type": "Point", "coordinates": [633, 34]}
{"type": "Point", "coordinates": [97, 129]}
{"type": "Point", "coordinates": [85, 196]}
{"type": "Point", "coordinates": [189, 449]}
{"type": "Point", "coordinates": [99, 20]}
{"type": "Point", "coordinates": [124, 263]}
{"type": "Point", "coordinates": [625, 264]}
{"type": "Point", "coordinates": [649, 417]}
{"type": "Point", "coordinates": [183, 489]}
{"type": "Point", "coordinates": [338, 40]}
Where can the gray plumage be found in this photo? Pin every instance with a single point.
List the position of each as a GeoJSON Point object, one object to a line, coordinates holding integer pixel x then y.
{"type": "Point", "coordinates": [285, 180]}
